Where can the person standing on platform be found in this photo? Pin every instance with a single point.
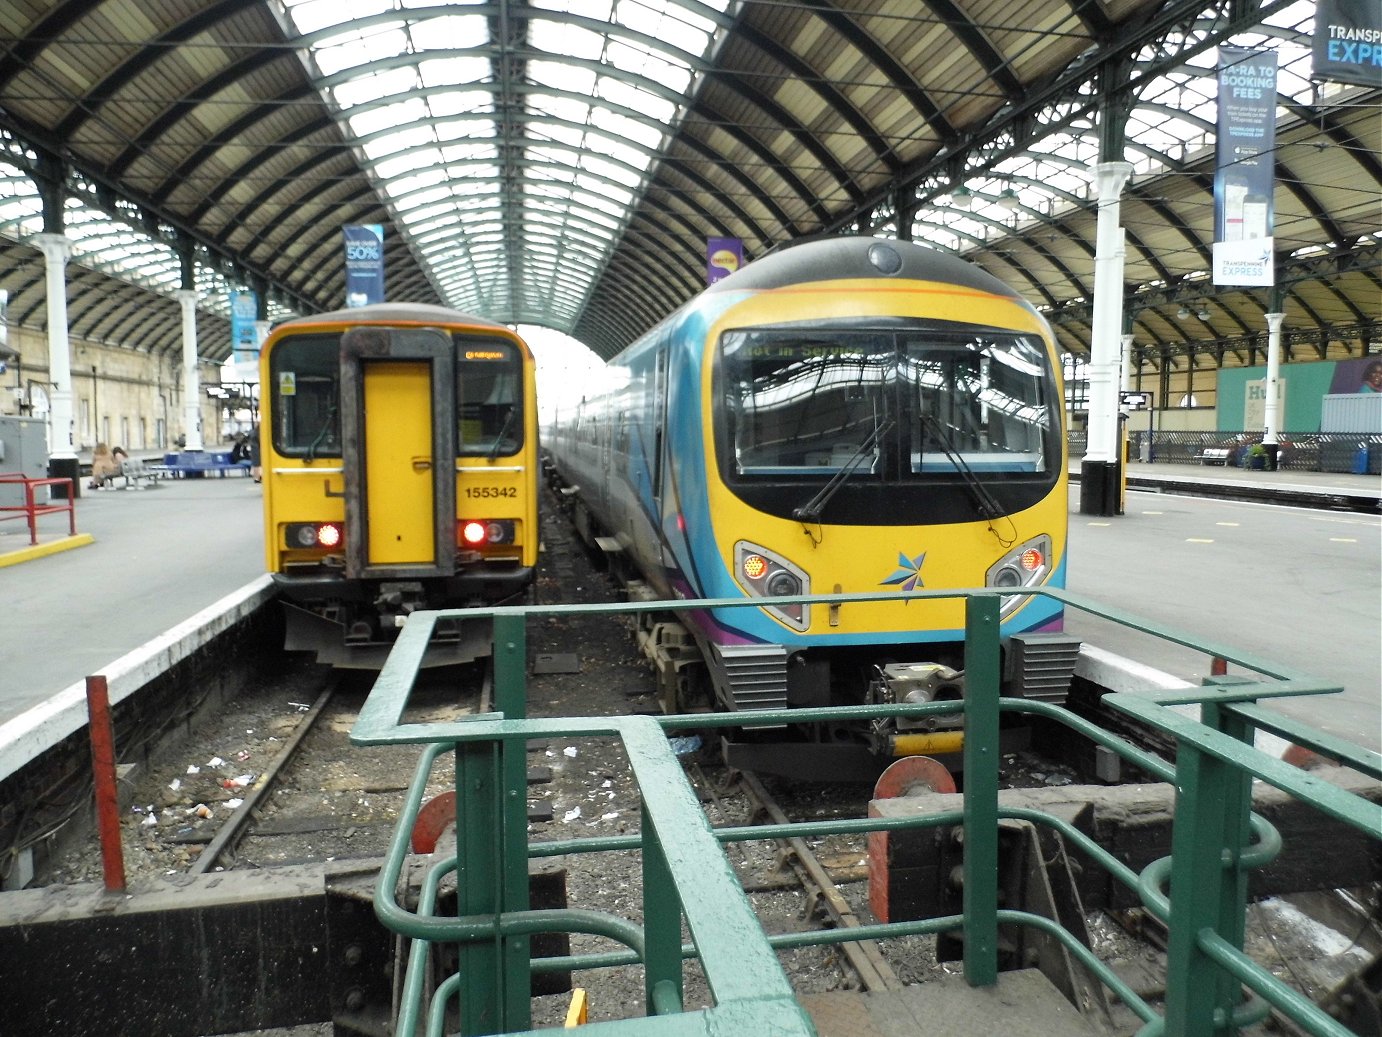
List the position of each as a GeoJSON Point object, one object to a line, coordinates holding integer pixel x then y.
{"type": "Point", "coordinates": [256, 473]}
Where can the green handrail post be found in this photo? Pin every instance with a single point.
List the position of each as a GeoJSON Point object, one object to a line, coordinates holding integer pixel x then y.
{"type": "Point", "coordinates": [982, 687]}
{"type": "Point", "coordinates": [661, 924]}
{"type": "Point", "coordinates": [478, 849]}
{"type": "Point", "coordinates": [1208, 882]}
{"type": "Point", "coordinates": [511, 699]}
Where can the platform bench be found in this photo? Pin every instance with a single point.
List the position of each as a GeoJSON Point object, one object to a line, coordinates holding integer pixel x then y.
{"type": "Point", "coordinates": [198, 465]}
{"type": "Point", "coordinates": [1213, 455]}
{"type": "Point", "coordinates": [137, 475]}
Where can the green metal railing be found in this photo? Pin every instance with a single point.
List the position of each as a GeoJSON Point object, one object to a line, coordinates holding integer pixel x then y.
{"type": "Point", "coordinates": [1216, 841]}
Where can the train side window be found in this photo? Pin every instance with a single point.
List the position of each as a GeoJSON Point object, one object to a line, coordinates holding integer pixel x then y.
{"type": "Point", "coordinates": [305, 396]}
{"type": "Point", "coordinates": [489, 398]}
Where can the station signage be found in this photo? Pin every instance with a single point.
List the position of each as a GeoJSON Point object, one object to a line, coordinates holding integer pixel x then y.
{"type": "Point", "coordinates": [1245, 173]}
{"type": "Point", "coordinates": [364, 260]}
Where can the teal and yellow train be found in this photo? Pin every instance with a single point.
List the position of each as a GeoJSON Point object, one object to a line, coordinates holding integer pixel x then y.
{"type": "Point", "coordinates": [399, 453]}
{"type": "Point", "coordinates": [848, 415]}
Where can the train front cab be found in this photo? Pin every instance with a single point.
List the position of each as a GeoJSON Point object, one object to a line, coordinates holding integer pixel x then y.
{"type": "Point", "coordinates": [365, 522]}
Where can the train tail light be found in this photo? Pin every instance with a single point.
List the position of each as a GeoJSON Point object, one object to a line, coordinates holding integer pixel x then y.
{"type": "Point", "coordinates": [764, 574]}
{"type": "Point", "coordinates": [478, 533]}
{"type": "Point", "coordinates": [327, 535]}
{"type": "Point", "coordinates": [1024, 566]}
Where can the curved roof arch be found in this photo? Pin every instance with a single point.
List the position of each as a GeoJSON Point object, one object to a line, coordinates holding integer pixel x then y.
{"type": "Point", "coordinates": [562, 162]}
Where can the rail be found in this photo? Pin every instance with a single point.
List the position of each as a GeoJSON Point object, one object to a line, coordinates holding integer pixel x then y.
{"type": "Point", "coordinates": [31, 509]}
{"type": "Point", "coordinates": [686, 877]}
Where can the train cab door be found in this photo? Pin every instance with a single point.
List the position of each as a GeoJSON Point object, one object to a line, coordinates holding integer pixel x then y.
{"type": "Point", "coordinates": [399, 445]}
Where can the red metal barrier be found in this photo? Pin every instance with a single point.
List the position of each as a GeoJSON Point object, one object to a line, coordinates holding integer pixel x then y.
{"type": "Point", "coordinates": [103, 775]}
{"type": "Point", "coordinates": [32, 510]}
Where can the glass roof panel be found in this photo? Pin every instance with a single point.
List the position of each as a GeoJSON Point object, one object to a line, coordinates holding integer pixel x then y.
{"type": "Point", "coordinates": [425, 124]}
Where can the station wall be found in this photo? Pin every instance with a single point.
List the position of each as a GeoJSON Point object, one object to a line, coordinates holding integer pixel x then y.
{"type": "Point", "coordinates": [1242, 391]}
{"type": "Point", "coordinates": [120, 396]}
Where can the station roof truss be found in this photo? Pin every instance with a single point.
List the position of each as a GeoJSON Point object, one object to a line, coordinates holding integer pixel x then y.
{"type": "Point", "coordinates": [563, 162]}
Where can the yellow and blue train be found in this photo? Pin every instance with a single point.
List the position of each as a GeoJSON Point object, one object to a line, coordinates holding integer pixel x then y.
{"type": "Point", "coordinates": [847, 415]}
{"type": "Point", "coordinates": [398, 445]}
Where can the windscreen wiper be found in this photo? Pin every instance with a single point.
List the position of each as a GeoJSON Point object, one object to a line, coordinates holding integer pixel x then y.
{"type": "Point", "coordinates": [983, 500]}
{"type": "Point", "coordinates": [327, 423]}
{"type": "Point", "coordinates": [811, 510]}
{"type": "Point", "coordinates": [503, 431]}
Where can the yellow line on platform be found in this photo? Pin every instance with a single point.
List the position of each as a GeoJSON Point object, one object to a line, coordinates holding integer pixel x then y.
{"type": "Point", "coordinates": [28, 554]}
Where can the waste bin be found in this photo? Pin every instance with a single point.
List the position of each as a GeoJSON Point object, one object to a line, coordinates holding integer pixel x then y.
{"type": "Point", "coordinates": [66, 468]}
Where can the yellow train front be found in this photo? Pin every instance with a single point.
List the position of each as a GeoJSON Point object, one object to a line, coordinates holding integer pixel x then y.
{"type": "Point", "coordinates": [398, 444]}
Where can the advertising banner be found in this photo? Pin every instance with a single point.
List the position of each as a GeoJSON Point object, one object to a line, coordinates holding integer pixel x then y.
{"type": "Point", "coordinates": [1244, 173]}
{"type": "Point", "coordinates": [723, 256]}
{"type": "Point", "coordinates": [1348, 41]}
{"type": "Point", "coordinates": [244, 338]}
{"type": "Point", "coordinates": [364, 256]}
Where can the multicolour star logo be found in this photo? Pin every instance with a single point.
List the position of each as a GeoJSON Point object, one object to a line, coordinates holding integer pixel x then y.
{"type": "Point", "coordinates": [909, 572]}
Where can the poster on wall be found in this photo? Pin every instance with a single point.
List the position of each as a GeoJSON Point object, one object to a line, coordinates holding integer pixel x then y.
{"type": "Point", "coordinates": [1363, 375]}
{"type": "Point", "coordinates": [1244, 172]}
{"type": "Point", "coordinates": [1348, 41]}
{"type": "Point", "coordinates": [1255, 403]}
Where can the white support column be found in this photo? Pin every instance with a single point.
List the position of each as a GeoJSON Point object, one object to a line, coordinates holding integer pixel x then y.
{"type": "Point", "coordinates": [191, 381]}
{"type": "Point", "coordinates": [1271, 417]}
{"type": "Point", "coordinates": [1108, 314]}
{"type": "Point", "coordinates": [1100, 489]}
{"type": "Point", "coordinates": [1126, 381]}
{"type": "Point", "coordinates": [61, 441]}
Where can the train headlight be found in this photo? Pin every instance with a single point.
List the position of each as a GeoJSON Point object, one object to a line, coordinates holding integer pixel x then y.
{"type": "Point", "coordinates": [313, 534]}
{"type": "Point", "coordinates": [1024, 566]}
{"type": "Point", "coordinates": [764, 574]}
{"type": "Point", "coordinates": [473, 533]}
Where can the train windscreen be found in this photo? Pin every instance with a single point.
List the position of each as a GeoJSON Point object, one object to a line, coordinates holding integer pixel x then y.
{"type": "Point", "coordinates": [306, 373]}
{"type": "Point", "coordinates": [489, 397]}
{"type": "Point", "coordinates": [893, 405]}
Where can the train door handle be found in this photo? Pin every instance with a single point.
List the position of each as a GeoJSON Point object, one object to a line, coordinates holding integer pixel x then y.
{"type": "Point", "coordinates": [422, 464]}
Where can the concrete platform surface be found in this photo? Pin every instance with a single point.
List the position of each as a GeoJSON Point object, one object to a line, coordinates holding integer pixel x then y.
{"type": "Point", "coordinates": [1022, 1004]}
{"type": "Point", "coordinates": [159, 555]}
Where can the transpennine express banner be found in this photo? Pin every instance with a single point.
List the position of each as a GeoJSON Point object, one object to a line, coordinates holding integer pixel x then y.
{"type": "Point", "coordinates": [364, 256]}
{"type": "Point", "coordinates": [1244, 174]}
{"type": "Point", "coordinates": [1348, 41]}
{"type": "Point", "coordinates": [723, 256]}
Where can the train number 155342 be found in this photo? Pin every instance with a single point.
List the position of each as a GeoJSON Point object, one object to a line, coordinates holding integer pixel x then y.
{"type": "Point", "coordinates": [491, 491]}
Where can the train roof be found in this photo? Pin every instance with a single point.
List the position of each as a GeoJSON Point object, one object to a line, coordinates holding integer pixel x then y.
{"type": "Point", "coordinates": [831, 259]}
{"type": "Point", "coordinates": [391, 312]}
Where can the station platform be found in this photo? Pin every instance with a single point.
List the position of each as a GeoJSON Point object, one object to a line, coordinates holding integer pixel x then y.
{"type": "Point", "coordinates": [146, 560]}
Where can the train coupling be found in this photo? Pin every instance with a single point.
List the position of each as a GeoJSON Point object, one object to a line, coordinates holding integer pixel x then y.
{"type": "Point", "coordinates": [915, 684]}
{"type": "Point", "coordinates": [396, 600]}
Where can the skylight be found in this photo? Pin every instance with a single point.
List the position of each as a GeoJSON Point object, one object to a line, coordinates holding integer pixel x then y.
{"type": "Point", "coordinates": [507, 153]}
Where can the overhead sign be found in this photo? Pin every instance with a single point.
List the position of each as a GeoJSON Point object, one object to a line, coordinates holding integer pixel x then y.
{"type": "Point", "coordinates": [1244, 173]}
{"type": "Point", "coordinates": [723, 256]}
{"type": "Point", "coordinates": [1134, 400]}
{"type": "Point", "coordinates": [364, 257]}
{"type": "Point", "coordinates": [244, 336]}
{"type": "Point", "coordinates": [1348, 41]}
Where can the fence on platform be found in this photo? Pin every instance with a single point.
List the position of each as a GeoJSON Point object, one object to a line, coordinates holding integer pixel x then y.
{"type": "Point", "coordinates": [1199, 891]}
{"type": "Point", "coordinates": [1340, 452]}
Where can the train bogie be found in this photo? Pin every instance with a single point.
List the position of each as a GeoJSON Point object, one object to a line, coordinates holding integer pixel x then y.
{"type": "Point", "coordinates": [399, 453]}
